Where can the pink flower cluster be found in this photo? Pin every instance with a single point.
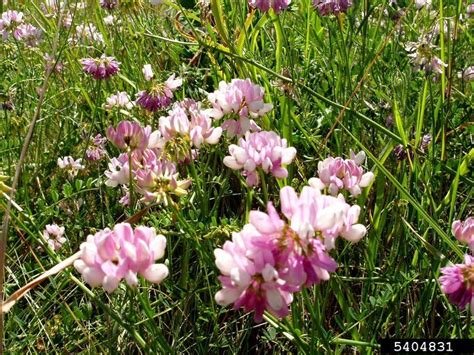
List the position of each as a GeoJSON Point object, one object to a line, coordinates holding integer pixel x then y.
{"type": "Point", "coordinates": [11, 24]}
{"type": "Point", "coordinates": [100, 68]}
{"type": "Point", "coordinates": [109, 256]}
{"type": "Point", "coordinates": [275, 256]}
{"type": "Point", "coordinates": [119, 100]}
{"type": "Point", "coordinates": [159, 95]}
{"type": "Point", "coordinates": [96, 151]}
{"type": "Point", "coordinates": [86, 33]}
{"type": "Point", "coordinates": [328, 7]}
{"type": "Point", "coordinates": [338, 173]}
{"type": "Point", "coordinates": [265, 5]}
{"type": "Point", "coordinates": [260, 150]}
{"type": "Point", "coordinates": [155, 178]}
{"type": "Point", "coordinates": [457, 282]}
{"type": "Point", "coordinates": [54, 236]}
{"type": "Point", "coordinates": [464, 231]}
{"type": "Point", "coordinates": [242, 99]}
{"type": "Point", "coordinates": [70, 165]}
{"type": "Point", "coordinates": [187, 126]}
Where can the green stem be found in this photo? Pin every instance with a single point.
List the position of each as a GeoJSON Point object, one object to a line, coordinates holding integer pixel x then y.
{"type": "Point", "coordinates": [130, 176]}
{"type": "Point", "coordinates": [264, 186]}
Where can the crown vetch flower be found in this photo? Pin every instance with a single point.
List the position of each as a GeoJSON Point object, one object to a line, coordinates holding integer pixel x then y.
{"type": "Point", "coordinates": [464, 231]}
{"type": "Point", "coordinates": [54, 236]}
{"type": "Point", "coordinates": [96, 150]}
{"type": "Point", "coordinates": [250, 278]}
{"type": "Point", "coordinates": [70, 165]}
{"type": "Point", "coordinates": [187, 126]}
{"type": "Point", "coordinates": [338, 173]}
{"type": "Point", "coordinates": [119, 100]}
{"type": "Point", "coordinates": [328, 7]}
{"type": "Point", "coordinates": [87, 33]}
{"type": "Point", "coordinates": [129, 135]}
{"type": "Point", "coordinates": [109, 4]}
{"type": "Point", "coordinates": [100, 68]}
{"type": "Point", "coordinates": [112, 255]}
{"type": "Point", "coordinates": [265, 5]}
{"type": "Point", "coordinates": [457, 282]}
{"type": "Point", "coordinates": [160, 95]}
{"type": "Point", "coordinates": [274, 256]}
{"type": "Point", "coordinates": [242, 98]}
{"type": "Point", "coordinates": [422, 56]}
{"type": "Point", "coordinates": [9, 23]}
{"type": "Point", "coordinates": [264, 150]}
{"type": "Point", "coordinates": [28, 34]}
{"type": "Point", "coordinates": [160, 181]}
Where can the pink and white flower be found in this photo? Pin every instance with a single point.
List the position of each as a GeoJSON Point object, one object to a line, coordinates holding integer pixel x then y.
{"type": "Point", "coordinates": [261, 150]}
{"type": "Point", "coordinates": [464, 231]}
{"type": "Point", "coordinates": [109, 256]}
{"type": "Point", "coordinates": [457, 282]}
{"type": "Point", "coordinates": [70, 165]}
{"type": "Point", "coordinates": [338, 173]}
{"type": "Point", "coordinates": [243, 99]}
{"type": "Point", "coordinates": [54, 236]}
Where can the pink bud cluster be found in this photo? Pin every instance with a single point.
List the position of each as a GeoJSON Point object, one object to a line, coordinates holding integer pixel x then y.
{"type": "Point", "coordinates": [155, 178]}
{"type": "Point", "coordinates": [276, 255]}
{"type": "Point", "coordinates": [260, 150]}
{"type": "Point", "coordinates": [265, 5]}
{"type": "Point", "coordinates": [109, 256]}
{"type": "Point", "coordinates": [241, 100]}
{"type": "Point", "coordinates": [12, 24]}
{"type": "Point", "coordinates": [342, 174]}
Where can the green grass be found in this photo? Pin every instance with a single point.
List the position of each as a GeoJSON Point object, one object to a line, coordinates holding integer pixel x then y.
{"type": "Point", "coordinates": [333, 82]}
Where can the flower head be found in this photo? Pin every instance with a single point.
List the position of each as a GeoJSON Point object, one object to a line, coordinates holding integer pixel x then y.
{"type": "Point", "coordinates": [160, 181]}
{"type": "Point", "coordinates": [464, 231]}
{"type": "Point", "coordinates": [96, 150]}
{"type": "Point", "coordinates": [9, 23]}
{"type": "Point", "coordinates": [129, 135]}
{"type": "Point", "coordinates": [422, 56]}
{"type": "Point", "coordinates": [70, 165]}
{"type": "Point", "coordinates": [274, 256]}
{"type": "Point", "coordinates": [265, 5]}
{"type": "Point", "coordinates": [457, 282]}
{"type": "Point", "coordinates": [338, 173]}
{"type": "Point", "coordinates": [264, 150]}
{"type": "Point", "coordinates": [160, 95]}
{"type": "Point", "coordinates": [112, 255]}
{"type": "Point", "coordinates": [100, 68]}
{"type": "Point", "coordinates": [187, 126]}
{"type": "Point", "coordinates": [119, 100]}
{"type": "Point", "coordinates": [109, 4]}
{"type": "Point", "coordinates": [240, 98]}
{"type": "Point", "coordinates": [28, 34]}
{"type": "Point", "coordinates": [328, 7]}
{"type": "Point", "coordinates": [54, 236]}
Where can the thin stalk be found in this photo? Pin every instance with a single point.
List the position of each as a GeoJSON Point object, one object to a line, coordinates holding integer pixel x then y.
{"type": "Point", "coordinates": [130, 177]}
